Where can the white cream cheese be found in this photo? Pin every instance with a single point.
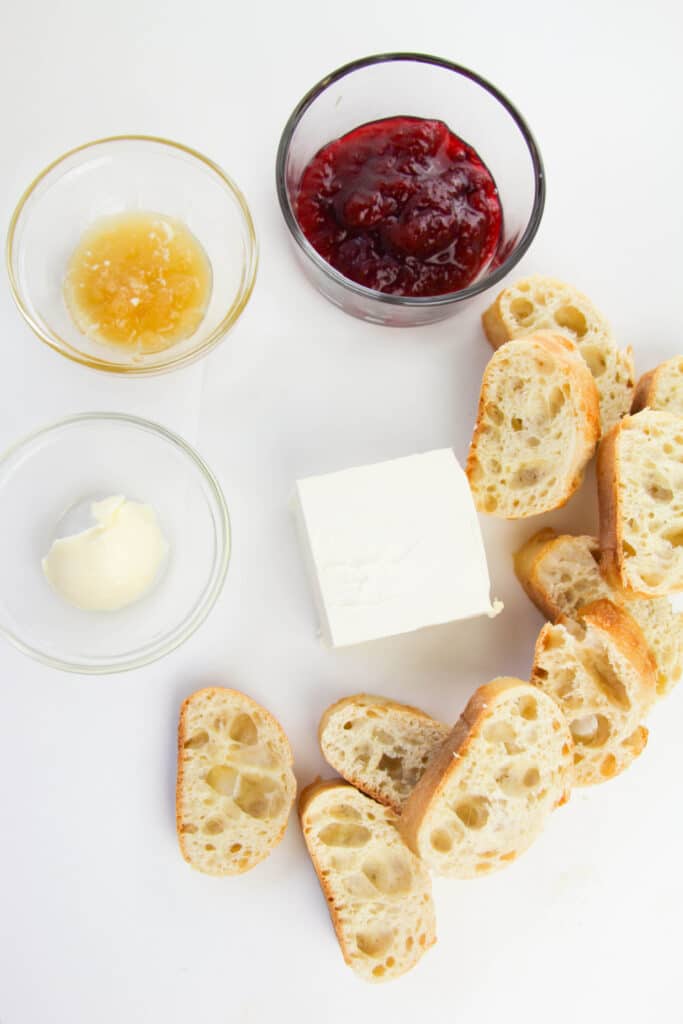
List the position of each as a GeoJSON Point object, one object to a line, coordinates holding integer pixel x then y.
{"type": "Point", "coordinates": [111, 564]}
{"type": "Point", "coordinates": [393, 547]}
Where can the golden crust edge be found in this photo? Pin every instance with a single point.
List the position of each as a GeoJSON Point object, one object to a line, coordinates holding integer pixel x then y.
{"type": "Point", "coordinates": [180, 776]}
{"type": "Point", "coordinates": [308, 794]}
{"type": "Point", "coordinates": [587, 402]}
{"type": "Point", "coordinates": [444, 763]}
{"type": "Point", "coordinates": [351, 778]}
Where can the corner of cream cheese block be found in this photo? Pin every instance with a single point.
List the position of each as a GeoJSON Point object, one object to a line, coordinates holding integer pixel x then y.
{"type": "Point", "coordinates": [393, 547]}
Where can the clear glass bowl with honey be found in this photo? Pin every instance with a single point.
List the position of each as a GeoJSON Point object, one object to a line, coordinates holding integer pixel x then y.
{"type": "Point", "coordinates": [132, 255]}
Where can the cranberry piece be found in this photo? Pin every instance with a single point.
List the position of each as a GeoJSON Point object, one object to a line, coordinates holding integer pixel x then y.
{"type": "Point", "coordinates": [402, 206]}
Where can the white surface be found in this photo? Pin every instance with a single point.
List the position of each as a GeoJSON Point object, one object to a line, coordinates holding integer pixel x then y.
{"type": "Point", "coordinates": [100, 919]}
{"type": "Point", "coordinates": [393, 547]}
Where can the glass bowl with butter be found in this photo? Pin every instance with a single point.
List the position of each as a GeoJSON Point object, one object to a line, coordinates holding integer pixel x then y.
{"type": "Point", "coordinates": [114, 541]}
{"type": "Point", "coordinates": [132, 254]}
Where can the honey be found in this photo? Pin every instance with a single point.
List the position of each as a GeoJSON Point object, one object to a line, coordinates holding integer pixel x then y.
{"type": "Point", "coordinates": [138, 280]}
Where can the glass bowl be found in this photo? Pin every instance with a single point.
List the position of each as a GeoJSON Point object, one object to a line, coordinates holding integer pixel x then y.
{"type": "Point", "coordinates": [107, 177]}
{"type": "Point", "coordinates": [47, 482]}
{"type": "Point", "coordinates": [417, 85]}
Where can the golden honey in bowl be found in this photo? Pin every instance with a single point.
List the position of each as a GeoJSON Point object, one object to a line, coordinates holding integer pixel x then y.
{"type": "Point", "coordinates": [138, 280]}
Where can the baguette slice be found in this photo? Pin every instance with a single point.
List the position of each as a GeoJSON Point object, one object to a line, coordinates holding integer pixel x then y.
{"type": "Point", "coordinates": [640, 494]}
{"type": "Point", "coordinates": [379, 746]}
{"type": "Point", "coordinates": [235, 784]}
{"type": "Point", "coordinates": [661, 388]}
{"type": "Point", "coordinates": [543, 303]}
{"type": "Point", "coordinates": [561, 574]}
{"type": "Point", "coordinates": [378, 893]}
{"type": "Point", "coordinates": [487, 792]}
{"type": "Point", "coordinates": [537, 427]}
{"type": "Point", "coordinates": [600, 673]}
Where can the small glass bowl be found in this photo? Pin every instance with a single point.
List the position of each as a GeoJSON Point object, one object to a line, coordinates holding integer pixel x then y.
{"type": "Point", "coordinates": [417, 85]}
{"type": "Point", "coordinates": [107, 177]}
{"type": "Point", "coordinates": [47, 482]}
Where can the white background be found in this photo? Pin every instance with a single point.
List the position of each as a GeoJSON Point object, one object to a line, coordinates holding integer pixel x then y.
{"type": "Point", "coordinates": [100, 919]}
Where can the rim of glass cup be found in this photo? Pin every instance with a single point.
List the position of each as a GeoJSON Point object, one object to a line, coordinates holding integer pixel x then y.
{"type": "Point", "coordinates": [370, 293]}
{"type": "Point", "coordinates": [59, 344]}
{"type": "Point", "coordinates": [148, 654]}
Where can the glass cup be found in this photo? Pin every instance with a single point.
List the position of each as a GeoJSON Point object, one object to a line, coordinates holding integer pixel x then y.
{"type": "Point", "coordinates": [48, 482]}
{"type": "Point", "coordinates": [112, 176]}
{"type": "Point", "coordinates": [417, 85]}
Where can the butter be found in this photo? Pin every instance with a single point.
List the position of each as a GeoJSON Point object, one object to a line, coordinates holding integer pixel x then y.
{"type": "Point", "coordinates": [111, 564]}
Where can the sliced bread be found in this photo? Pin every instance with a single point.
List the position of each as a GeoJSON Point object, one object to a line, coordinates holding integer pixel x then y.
{"type": "Point", "coordinates": [487, 792]}
{"type": "Point", "coordinates": [235, 785]}
{"type": "Point", "coordinates": [661, 388]}
{"type": "Point", "coordinates": [561, 574]}
{"type": "Point", "coordinates": [378, 893]}
{"type": "Point", "coordinates": [640, 493]}
{"type": "Point", "coordinates": [537, 427]}
{"type": "Point", "coordinates": [543, 303]}
{"type": "Point", "coordinates": [379, 746]}
{"type": "Point", "coordinates": [600, 672]}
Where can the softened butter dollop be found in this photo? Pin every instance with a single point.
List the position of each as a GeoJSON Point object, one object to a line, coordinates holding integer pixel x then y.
{"type": "Point", "coordinates": [111, 564]}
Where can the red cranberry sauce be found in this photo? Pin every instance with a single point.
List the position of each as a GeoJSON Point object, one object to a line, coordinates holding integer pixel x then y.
{"type": "Point", "coordinates": [402, 206]}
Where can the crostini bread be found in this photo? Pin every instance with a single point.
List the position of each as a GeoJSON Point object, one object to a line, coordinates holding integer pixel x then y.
{"type": "Point", "coordinates": [640, 493]}
{"type": "Point", "coordinates": [661, 388]}
{"type": "Point", "coordinates": [599, 670]}
{"type": "Point", "coordinates": [543, 303]}
{"type": "Point", "coordinates": [487, 792]}
{"type": "Point", "coordinates": [561, 574]}
{"type": "Point", "coordinates": [379, 746]}
{"type": "Point", "coordinates": [378, 893]}
{"type": "Point", "coordinates": [235, 785]}
{"type": "Point", "coordinates": [537, 427]}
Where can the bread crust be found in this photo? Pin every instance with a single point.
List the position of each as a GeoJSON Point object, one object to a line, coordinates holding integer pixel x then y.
{"type": "Point", "coordinates": [586, 401]}
{"type": "Point", "coordinates": [643, 391]}
{"type": "Point", "coordinates": [318, 785]}
{"type": "Point", "coordinates": [359, 698]}
{"type": "Point", "coordinates": [493, 322]}
{"type": "Point", "coordinates": [651, 391]}
{"type": "Point", "coordinates": [610, 535]}
{"type": "Point", "coordinates": [546, 297]}
{"type": "Point", "coordinates": [628, 641]}
{"type": "Point", "coordinates": [493, 318]}
{"type": "Point", "coordinates": [526, 561]}
{"type": "Point", "coordinates": [627, 636]}
{"type": "Point", "coordinates": [446, 760]}
{"type": "Point", "coordinates": [612, 561]}
{"type": "Point", "coordinates": [180, 777]}
{"type": "Point", "coordinates": [308, 794]}
{"type": "Point", "coordinates": [354, 701]}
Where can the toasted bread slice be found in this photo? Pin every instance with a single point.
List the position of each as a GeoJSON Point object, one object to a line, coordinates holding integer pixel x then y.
{"type": "Point", "coordinates": [235, 784]}
{"type": "Point", "coordinates": [561, 574]}
{"type": "Point", "coordinates": [543, 303]}
{"type": "Point", "coordinates": [487, 792]}
{"type": "Point", "coordinates": [640, 492]}
{"type": "Point", "coordinates": [537, 427]}
{"type": "Point", "coordinates": [378, 893]}
{"type": "Point", "coordinates": [661, 388]}
{"type": "Point", "coordinates": [379, 746]}
{"type": "Point", "coordinates": [600, 672]}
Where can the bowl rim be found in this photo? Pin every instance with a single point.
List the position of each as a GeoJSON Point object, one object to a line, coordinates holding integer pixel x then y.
{"type": "Point", "coordinates": [219, 570]}
{"type": "Point", "coordinates": [63, 347]}
{"type": "Point", "coordinates": [418, 302]}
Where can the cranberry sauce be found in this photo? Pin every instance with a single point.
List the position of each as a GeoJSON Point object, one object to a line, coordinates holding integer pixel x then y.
{"type": "Point", "coordinates": [402, 206]}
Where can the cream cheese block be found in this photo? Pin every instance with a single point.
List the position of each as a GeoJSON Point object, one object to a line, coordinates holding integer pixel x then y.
{"type": "Point", "coordinates": [393, 547]}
